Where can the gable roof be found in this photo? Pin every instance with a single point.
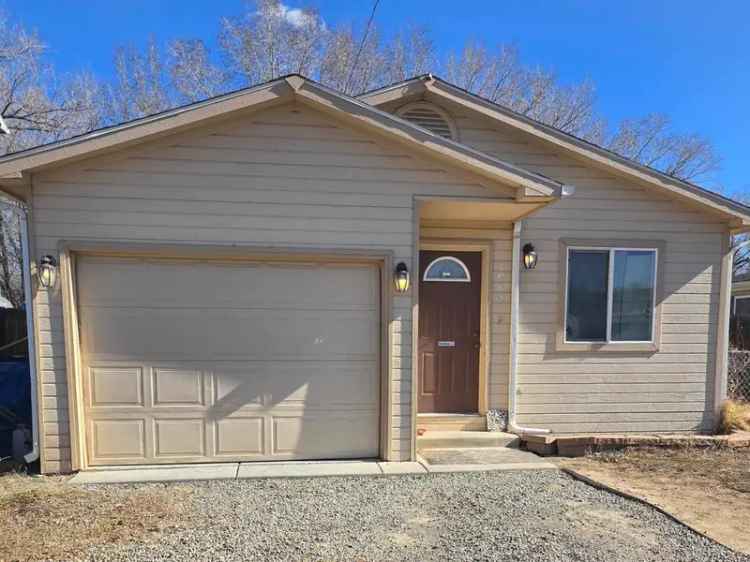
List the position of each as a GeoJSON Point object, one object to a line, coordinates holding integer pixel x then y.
{"type": "Point", "coordinates": [576, 147]}
{"type": "Point", "coordinates": [14, 167]}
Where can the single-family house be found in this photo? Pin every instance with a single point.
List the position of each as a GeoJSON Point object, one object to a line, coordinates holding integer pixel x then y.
{"type": "Point", "coordinates": [288, 272]}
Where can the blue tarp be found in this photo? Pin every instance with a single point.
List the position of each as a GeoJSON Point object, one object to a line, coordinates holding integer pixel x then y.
{"type": "Point", "coordinates": [15, 400]}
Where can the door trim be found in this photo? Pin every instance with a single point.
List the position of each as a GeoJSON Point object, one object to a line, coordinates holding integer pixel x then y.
{"type": "Point", "coordinates": [68, 251]}
{"type": "Point", "coordinates": [485, 249]}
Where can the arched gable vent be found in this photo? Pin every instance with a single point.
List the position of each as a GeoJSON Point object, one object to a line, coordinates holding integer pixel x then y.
{"type": "Point", "coordinates": [430, 117]}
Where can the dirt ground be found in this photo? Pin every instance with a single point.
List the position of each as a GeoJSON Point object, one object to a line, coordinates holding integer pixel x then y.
{"type": "Point", "coordinates": [43, 518]}
{"type": "Point", "coordinates": [709, 489]}
{"type": "Point", "coordinates": [429, 517]}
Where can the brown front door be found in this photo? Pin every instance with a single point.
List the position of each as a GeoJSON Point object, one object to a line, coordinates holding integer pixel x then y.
{"type": "Point", "coordinates": [449, 311]}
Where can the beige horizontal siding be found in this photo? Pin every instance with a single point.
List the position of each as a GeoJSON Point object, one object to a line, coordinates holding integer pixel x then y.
{"type": "Point", "coordinates": [669, 390]}
{"type": "Point", "coordinates": [500, 318]}
{"type": "Point", "coordinates": [288, 177]}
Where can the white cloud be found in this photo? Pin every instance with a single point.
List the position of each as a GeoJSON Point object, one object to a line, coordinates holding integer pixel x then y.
{"type": "Point", "coordinates": [297, 17]}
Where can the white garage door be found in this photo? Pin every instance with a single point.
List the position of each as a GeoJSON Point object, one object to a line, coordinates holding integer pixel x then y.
{"type": "Point", "coordinates": [188, 361]}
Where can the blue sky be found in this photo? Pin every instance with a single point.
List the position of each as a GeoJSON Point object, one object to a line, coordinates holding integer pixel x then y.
{"type": "Point", "coordinates": [687, 58]}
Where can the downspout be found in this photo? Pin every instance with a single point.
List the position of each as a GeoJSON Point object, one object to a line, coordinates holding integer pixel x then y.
{"type": "Point", "coordinates": [28, 295]}
{"type": "Point", "coordinates": [515, 305]}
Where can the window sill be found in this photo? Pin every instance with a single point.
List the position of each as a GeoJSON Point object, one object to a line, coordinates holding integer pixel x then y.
{"type": "Point", "coordinates": [618, 347]}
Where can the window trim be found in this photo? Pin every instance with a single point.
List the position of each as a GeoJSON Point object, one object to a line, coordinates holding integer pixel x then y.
{"type": "Point", "coordinates": [657, 246]}
{"type": "Point", "coordinates": [454, 259]}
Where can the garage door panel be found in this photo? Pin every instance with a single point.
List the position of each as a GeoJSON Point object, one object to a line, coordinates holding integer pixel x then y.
{"type": "Point", "coordinates": [238, 387]}
{"type": "Point", "coordinates": [178, 374]}
{"type": "Point", "coordinates": [178, 387]}
{"type": "Point", "coordinates": [311, 436]}
{"type": "Point", "coordinates": [116, 386]}
{"type": "Point", "coordinates": [114, 439]}
{"type": "Point", "coordinates": [240, 436]}
{"type": "Point", "coordinates": [310, 384]}
{"type": "Point", "coordinates": [180, 437]}
{"type": "Point", "coordinates": [162, 284]}
{"type": "Point", "coordinates": [212, 334]}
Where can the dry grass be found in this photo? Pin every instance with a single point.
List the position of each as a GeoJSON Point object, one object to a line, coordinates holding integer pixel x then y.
{"type": "Point", "coordinates": [44, 518]}
{"type": "Point", "coordinates": [706, 487]}
{"type": "Point", "coordinates": [735, 416]}
{"type": "Point", "coordinates": [721, 466]}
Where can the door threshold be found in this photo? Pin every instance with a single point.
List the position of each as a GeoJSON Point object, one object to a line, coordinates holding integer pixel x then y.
{"type": "Point", "coordinates": [448, 414]}
{"type": "Point", "coordinates": [451, 422]}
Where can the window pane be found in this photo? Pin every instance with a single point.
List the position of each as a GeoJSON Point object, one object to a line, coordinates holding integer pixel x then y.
{"type": "Point", "coordinates": [633, 295]}
{"type": "Point", "coordinates": [742, 308]}
{"type": "Point", "coordinates": [447, 269]}
{"type": "Point", "coordinates": [587, 295]}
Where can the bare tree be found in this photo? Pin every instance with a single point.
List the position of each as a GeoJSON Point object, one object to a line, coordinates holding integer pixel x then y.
{"type": "Point", "coordinates": [272, 40]}
{"type": "Point", "coordinates": [35, 105]}
{"type": "Point", "coordinates": [141, 86]}
{"type": "Point", "coordinates": [500, 77]}
{"type": "Point", "coordinates": [741, 263]}
{"type": "Point", "coordinates": [353, 61]}
{"type": "Point", "coordinates": [193, 75]}
{"type": "Point", "coordinates": [11, 264]}
{"type": "Point", "coordinates": [651, 141]}
{"type": "Point", "coordinates": [409, 54]}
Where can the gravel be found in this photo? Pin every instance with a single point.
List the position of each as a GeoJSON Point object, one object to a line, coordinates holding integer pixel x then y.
{"type": "Point", "coordinates": [542, 515]}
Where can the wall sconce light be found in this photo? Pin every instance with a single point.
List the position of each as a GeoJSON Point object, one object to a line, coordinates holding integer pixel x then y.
{"type": "Point", "coordinates": [401, 278]}
{"type": "Point", "coordinates": [47, 272]}
{"type": "Point", "coordinates": [529, 256]}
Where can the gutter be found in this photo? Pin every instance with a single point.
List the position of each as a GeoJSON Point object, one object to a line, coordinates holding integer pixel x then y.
{"type": "Point", "coordinates": [515, 305]}
{"type": "Point", "coordinates": [28, 296]}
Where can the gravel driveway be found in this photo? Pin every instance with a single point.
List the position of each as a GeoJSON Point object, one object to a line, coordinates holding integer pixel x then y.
{"type": "Point", "coordinates": [543, 515]}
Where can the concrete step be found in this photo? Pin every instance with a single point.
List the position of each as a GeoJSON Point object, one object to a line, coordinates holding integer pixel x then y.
{"type": "Point", "coordinates": [465, 440]}
{"type": "Point", "coordinates": [452, 422]}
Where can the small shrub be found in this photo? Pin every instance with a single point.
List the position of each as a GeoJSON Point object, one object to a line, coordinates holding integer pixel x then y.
{"type": "Point", "coordinates": [735, 416]}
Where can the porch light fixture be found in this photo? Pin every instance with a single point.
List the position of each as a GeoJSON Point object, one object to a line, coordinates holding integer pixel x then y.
{"type": "Point", "coordinates": [529, 256]}
{"type": "Point", "coordinates": [47, 272]}
{"type": "Point", "coordinates": [401, 278]}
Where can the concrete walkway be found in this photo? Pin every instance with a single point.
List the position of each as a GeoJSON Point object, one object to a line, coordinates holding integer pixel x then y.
{"type": "Point", "coordinates": [515, 460]}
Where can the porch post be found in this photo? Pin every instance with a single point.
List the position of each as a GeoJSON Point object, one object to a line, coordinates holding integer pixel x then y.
{"type": "Point", "coordinates": [417, 210]}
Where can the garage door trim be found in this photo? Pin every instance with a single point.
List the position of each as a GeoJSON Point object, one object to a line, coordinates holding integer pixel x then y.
{"type": "Point", "coordinates": [69, 250]}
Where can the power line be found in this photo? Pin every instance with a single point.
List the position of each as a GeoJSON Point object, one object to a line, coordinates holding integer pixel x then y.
{"type": "Point", "coordinates": [361, 45]}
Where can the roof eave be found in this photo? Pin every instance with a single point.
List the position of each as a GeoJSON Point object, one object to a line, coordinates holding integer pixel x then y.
{"type": "Point", "coordinates": [401, 130]}
{"type": "Point", "coordinates": [144, 129]}
{"type": "Point", "coordinates": [592, 153]}
{"type": "Point", "coordinates": [293, 87]}
{"type": "Point", "coordinates": [400, 90]}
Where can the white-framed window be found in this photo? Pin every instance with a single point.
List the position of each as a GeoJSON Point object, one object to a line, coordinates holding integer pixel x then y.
{"type": "Point", "coordinates": [447, 269]}
{"type": "Point", "coordinates": [610, 294]}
